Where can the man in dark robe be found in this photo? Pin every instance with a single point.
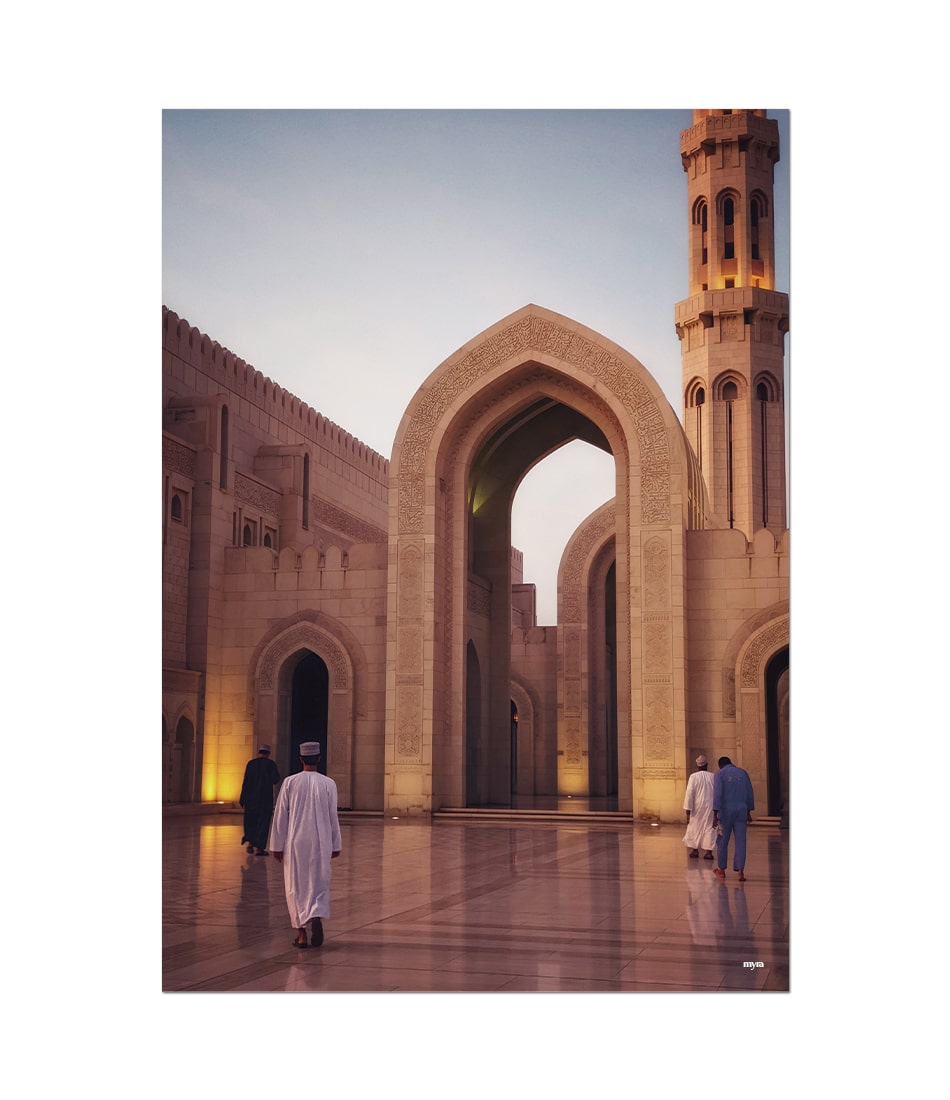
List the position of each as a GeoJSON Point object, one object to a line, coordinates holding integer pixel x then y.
{"type": "Point", "coordinates": [257, 798]}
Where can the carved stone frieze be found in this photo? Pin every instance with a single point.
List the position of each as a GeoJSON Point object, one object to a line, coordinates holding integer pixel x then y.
{"type": "Point", "coordinates": [408, 723]}
{"type": "Point", "coordinates": [658, 722]}
{"type": "Point", "coordinates": [338, 519]}
{"type": "Point", "coordinates": [656, 575]}
{"type": "Point", "coordinates": [410, 581]}
{"type": "Point", "coordinates": [762, 645]}
{"type": "Point", "coordinates": [304, 636]}
{"type": "Point", "coordinates": [534, 333]}
{"type": "Point", "coordinates": [261, 497]}
{"type": "Point", "coordinates": [178, 458]}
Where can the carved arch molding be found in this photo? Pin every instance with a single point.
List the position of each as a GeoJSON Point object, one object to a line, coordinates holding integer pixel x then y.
{"type": "Point", "coordinates": [536, 333]}
{"type": "Point", "coordinates": [271, 716]}
{"type": "Point", "coordinates": [751, 701]}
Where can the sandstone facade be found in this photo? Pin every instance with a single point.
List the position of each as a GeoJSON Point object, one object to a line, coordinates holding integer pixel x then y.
{"type": "Point", "coordinates": [314, 590]}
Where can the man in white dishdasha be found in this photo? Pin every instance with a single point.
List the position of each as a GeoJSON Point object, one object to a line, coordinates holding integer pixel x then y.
{"type": "Point", "coordinates": [305, 837]}
{"type": "Point", "coordinates": [698, 804]}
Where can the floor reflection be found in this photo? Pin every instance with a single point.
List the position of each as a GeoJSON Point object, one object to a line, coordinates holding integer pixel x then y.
{"type": "Point", "coordinates": [572, 906]}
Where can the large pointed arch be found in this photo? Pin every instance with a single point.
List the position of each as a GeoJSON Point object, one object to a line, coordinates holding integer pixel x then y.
{"type": "Point", "coordinates": [485, 416]}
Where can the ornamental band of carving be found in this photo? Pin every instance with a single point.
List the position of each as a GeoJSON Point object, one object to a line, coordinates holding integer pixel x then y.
{"type": "Point", "coordinates": [597, 530]}
{"type": "Point", "coordinates": [179, 459]}
{"type": "Point", "coordinates": [329, 515]}
{"type": "Point", "coordinates": [537, 334]}
{"type": "Point", "coordinates": [763, 645]}
{"type": "Point", "coordinates": [304, 636]}
{"type": "Point", "coordinates": [248, 491]}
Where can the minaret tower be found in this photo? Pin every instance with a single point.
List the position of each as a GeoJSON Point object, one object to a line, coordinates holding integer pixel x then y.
{"type": "Point", "coordinates": [732, 326]}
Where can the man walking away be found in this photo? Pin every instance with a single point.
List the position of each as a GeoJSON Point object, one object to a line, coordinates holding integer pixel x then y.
{"type": "Point", "coordinates": [257, 797]}
{"type": "Point", "coordinates": [733, 803]}
{"type": "Point", "coordinates": [698, 804]}
{"type": "Point", "coordinates": [305, 837]}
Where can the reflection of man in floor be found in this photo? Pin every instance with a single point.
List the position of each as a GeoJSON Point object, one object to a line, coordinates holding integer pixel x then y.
{"type": "Point", "coordinates": [698, 804]}
{"type": "Point", "coordinates": [702, 908]}
{"type": "Point", "coordinates": [257, 797]}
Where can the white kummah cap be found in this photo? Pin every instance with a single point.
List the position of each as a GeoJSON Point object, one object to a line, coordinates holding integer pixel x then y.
{"type": "Point", "coordinates": [264, 748]}
{"type": "Point", "coordinates": [700, 760]}
{"type": "Point", "coordinates": [310, 748]}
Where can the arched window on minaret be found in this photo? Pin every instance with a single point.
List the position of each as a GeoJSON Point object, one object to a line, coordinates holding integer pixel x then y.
{"type": "Point", "coordinates": [701, 223]}
{"type": "Point", "coordinates": [730, 393]}
{"type": "Point", "coordinates": [695, 399]}
{"type": "Point", "coordinates": [729, 228]}
{"type": "Point", "coordinates": [754, 215]}
{"type": "Point", "coordinates": [766, 391]}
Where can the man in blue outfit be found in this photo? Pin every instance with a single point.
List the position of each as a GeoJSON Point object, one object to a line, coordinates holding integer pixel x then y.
{"type": "Point", "coordinates": [733, 804]}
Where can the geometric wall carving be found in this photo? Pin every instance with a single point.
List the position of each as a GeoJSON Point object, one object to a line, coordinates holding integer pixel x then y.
{"type": "Point", "coordinates": [763, 645]}
{"type": "Point", "coordinates": [544, 334]}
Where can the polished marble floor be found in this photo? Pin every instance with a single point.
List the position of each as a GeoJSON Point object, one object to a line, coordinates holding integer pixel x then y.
{"type": "Point", "coordinates": [473, 907]}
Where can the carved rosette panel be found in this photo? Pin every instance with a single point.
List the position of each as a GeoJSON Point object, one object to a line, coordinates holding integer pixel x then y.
{"type": "Point", "coordinates": [762, 646]}
{"type": "Point", "coordinates": [542, 334]}
{"type": "Point", "coordinates": [572, 746]}
{"type": "Point", "coordinates": [657, 648]}
{"type": "Point", "coordinates": [305, 636]}
{"type": "Point", "coordinates": [409, 651]}
{"type": "Point", "coordinates": [658, 722]}
{"type": "Point", "coordinates": [178, 459]}
{"type": "Point", "coordinates": [656, 575]}
{"type": "Point", "coordinates": [408, 723]}
{"type": "Point", "coordinates": [259, 496]}
{"type": "Point", "coordinates": [410, 581]}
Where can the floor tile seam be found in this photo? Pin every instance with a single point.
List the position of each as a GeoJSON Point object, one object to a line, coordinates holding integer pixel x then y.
{"type": "Point", "coordinates": [577, 944]}
{"type": "Point", "coordinates": [439, 904]}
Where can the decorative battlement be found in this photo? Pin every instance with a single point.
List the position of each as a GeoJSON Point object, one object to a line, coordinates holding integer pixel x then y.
{"type": "Point", "coordinates": [239, 377]}
{"type": "Point", "coordinates": [753, 124]}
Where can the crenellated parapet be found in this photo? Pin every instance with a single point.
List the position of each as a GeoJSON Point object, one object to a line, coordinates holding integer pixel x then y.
{"type": "Point", "coordinates": [183, 340]}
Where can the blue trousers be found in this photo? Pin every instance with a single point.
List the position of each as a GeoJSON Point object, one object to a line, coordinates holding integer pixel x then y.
{"type": "Point", "coordinates": [732, 821]}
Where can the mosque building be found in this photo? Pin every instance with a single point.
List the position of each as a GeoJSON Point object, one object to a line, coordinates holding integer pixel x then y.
{"type": "Point", "coordinates": [316, 590]}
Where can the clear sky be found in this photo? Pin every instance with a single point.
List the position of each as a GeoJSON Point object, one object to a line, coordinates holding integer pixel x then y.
{"type": "Point", "coordinates": [346, 254]}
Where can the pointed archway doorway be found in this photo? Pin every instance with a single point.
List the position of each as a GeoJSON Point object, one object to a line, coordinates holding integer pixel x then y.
{"type": "Point", "coordinates": [777, 729]}
{"type": "Point", "coordinates": [304, 676]}
{"type": "Point", "coordinates": [309, 709]}
{"type": "Point", "coordinates": [482, 420]}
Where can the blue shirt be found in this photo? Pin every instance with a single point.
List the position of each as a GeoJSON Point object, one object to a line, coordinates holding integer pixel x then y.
{"type": "Point", "coordinates": [732, 790]}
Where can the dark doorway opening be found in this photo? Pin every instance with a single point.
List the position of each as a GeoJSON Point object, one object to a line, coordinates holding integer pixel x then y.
{"type": "Point", "coordinates": [309, 709]}
{"type": "Point", "coordinates": [777, 733]}
{"type": "Point", "coordinates": [514, 750]}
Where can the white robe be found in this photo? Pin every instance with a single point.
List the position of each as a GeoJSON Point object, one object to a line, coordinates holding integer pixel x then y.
{"type": "Point", "coordinates": [306, 829]}
{"type": "Point", "coordinates": [699, 801]}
